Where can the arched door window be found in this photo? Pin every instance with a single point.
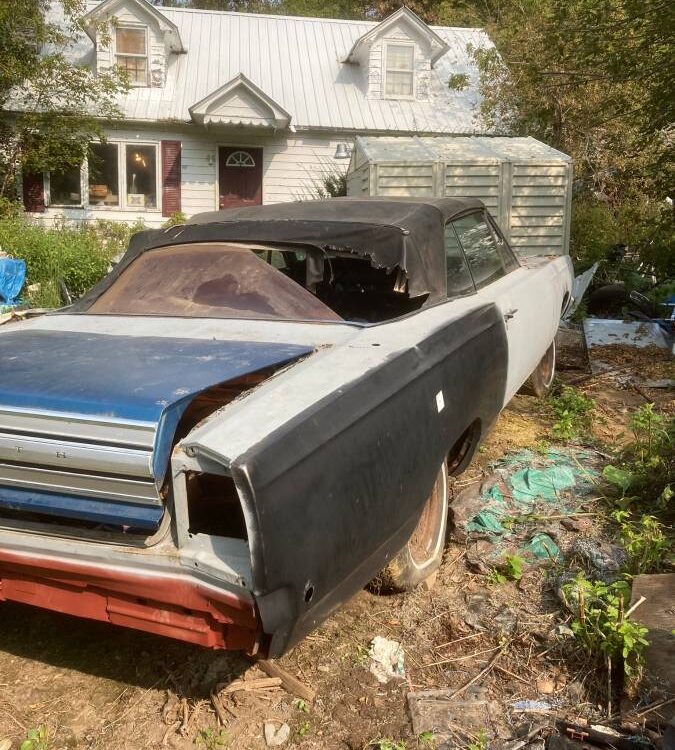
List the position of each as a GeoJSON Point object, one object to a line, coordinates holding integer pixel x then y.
{"type": "Point", "coordinates": [240, 159]}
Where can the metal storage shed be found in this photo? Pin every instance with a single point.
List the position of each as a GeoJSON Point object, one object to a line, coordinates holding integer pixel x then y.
{"type": "Point", "coordinates": [526, 185]}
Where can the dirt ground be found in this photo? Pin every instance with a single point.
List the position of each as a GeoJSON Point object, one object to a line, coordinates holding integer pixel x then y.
{"type": "Point", "coordinates": [98, 686]}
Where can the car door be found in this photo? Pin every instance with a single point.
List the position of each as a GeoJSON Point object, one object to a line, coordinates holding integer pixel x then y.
{"type": "Point", "coordinates": [526, 305]}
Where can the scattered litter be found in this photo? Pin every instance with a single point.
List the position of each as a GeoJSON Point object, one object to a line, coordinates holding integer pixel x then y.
{"type": "Point", "coordinates": [545, 686]}
{"type": "Point", "coordinates": [435, 711]}
{"type": "Point", "coordinates": [386, 659]}
{"type": "Point", "coordinates": [276, 736]}
{"type": "Point", "coordinates": [579, 288]}
{"type": "Point", "coordinates": [546, 484]}
{"type": "Point", "coordinates": [531, 706]}
{"type": "Point", "coordinates": [525, 489]}
{"type": "Point", "coordinates": [543, 547]}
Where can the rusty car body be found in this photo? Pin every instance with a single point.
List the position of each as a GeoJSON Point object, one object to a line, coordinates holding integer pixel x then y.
{"type": "Point", "coordinates": [243, 423]}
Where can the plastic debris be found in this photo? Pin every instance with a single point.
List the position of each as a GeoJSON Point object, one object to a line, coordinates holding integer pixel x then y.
{"type": "Point", "coordinates": [543, 547]}
{"type": "Point", "coordinates": [386, 659]}
{"type": "Point", "coordinates": [435, 711]}
{"type": "Point", "coordinates": [547, 484]}
{"type": "Point", "coordinates": [12, 277]}
{"type": "Point", "coordinates": [531, 706]}
{"type": "Point", "coordinates": [276, 736]}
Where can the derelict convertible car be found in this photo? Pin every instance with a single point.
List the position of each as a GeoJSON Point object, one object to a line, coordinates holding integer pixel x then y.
{"type": "Point", "coordinates": [255, 413]}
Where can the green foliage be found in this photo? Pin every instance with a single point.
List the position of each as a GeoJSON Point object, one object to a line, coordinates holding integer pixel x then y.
{"type": "Point", "coordinates": [209, 739]}
{"type": "Point", "coordinates": [332, 185]}
{"type": "Point", "coordinates": [304, 729]}
{"type": "Point", "coordinates": [600, 625]}
{"type": "Point", "coordinates": [176, 218]}
{"type": "Point", "coordinates": [646, 471]}
{"type": "Point", "coordinates": [74, 257]}
{"type": "Point", "coordinates": [509, 570]}
{"type": "Point", "coordinates": [644, 540]}
{"type": "Point", "coordinates": [481, 741]}
{"type": "Point", "coordinates": [387, 744]}
{"type": "Point", "coordinates": [578, 75]}
{"type": "Point", "coordinates": [56, 105]}
{"type": "Point", "coordinates": [458, 81]}
{"type": "Point", "coordinates": [36, 739]}
{"type": "Point", "coordinates": [426, 740]}
{"type": "Point", "coordinates": [593, 232]}
{"type": "Point", "coordinates": [572, 412]}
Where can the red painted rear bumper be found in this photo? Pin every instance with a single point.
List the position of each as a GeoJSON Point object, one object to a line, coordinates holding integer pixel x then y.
{"type": "Point", "coordinates": [161, 604]}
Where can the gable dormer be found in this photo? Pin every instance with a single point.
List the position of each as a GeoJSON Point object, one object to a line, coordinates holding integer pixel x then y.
{"type": "Point", "coordinates": [397, 56]}
{"type": "Point", "coordinates": [135, 36]}
{"type": "Point", "coordinates": [240, 102]}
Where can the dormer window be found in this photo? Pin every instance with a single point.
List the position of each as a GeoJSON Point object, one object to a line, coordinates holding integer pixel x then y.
{"type": "Point", "coordinates": [399, 77]}
{"type": "Point", "coordinates": [131, 53]}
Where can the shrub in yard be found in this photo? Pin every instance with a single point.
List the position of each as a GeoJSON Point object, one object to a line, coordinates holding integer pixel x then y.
{"type": "Point", "coordinates": [74, 257]}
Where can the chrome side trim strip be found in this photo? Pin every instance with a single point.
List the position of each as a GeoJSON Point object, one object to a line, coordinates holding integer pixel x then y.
{"type": "Point", "coordinates": [49, 480]}
{"type": "Point", "coordinates": [70, 455]}
{"type": "Point", "coordinates": [78, 427]}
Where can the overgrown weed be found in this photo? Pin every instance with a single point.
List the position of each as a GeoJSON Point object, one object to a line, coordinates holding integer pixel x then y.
{"type": "Point", "coordinates": [572, 411]}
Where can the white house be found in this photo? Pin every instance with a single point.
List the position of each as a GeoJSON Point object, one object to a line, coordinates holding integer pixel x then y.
{"type": "Point", "coordinates": [231, 109]}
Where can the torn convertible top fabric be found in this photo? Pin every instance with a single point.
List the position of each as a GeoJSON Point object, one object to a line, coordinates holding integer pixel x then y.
{"type": "Point", "coordinates": [406, 234]}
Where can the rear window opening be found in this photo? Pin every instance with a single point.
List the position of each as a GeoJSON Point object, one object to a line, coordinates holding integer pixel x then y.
{"type": "Point", "coordinates": [214, 507]}
{"type": "Point", "coordinates": [229, 280]}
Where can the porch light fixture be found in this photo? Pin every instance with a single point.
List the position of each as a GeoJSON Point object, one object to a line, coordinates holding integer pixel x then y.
{"type": "Point", "coordinates": [342, 151]}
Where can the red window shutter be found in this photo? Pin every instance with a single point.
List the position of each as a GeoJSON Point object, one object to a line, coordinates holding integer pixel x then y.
{"type": "Point", "coordinates": [171, 177]}
{"type": "Point", "coordinates": [33, 192]}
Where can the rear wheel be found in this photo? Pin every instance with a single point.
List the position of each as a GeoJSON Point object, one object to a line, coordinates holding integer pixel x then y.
{"type": "Point", "coordinates": [541, 380]}
{"type": "Point", "coordinates": [423, 552]}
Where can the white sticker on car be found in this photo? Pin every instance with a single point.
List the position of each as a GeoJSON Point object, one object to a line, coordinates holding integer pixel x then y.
{"type": "Point", "coordinates": [440, 401]}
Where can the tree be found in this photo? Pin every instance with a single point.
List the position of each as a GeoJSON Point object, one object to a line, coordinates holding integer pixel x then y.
{"type": "Point", "coordinates": [592, 79]}
{"type": "Point", "coordinates": [50, 109]}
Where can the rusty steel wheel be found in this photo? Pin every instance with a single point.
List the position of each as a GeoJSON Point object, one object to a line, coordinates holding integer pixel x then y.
{"type": "Point", "coordinates": [541, 380]}
{"type": "Point", "coordinates": [423, 552]}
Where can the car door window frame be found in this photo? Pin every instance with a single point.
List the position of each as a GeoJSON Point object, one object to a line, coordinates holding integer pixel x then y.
{"type": "Point", "coordinates": [508, 255]}
{"type": "Point", "coordinates": [485, 218]}
{"type": "Point", "coordinates": [472, 289]}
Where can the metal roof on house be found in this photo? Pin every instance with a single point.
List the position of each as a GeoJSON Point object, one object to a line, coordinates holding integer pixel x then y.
{"type": "Point", "coordinates": [296, 61]}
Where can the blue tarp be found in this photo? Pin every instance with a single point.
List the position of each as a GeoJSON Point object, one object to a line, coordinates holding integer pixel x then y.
{"type": "Point", "coordinates": [12, 277]}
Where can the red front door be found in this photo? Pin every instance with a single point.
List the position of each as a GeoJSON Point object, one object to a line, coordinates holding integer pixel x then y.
{"type": "Point", "coordinates": [239, 176]}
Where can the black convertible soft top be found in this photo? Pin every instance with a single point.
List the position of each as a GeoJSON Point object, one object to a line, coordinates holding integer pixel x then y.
{"type": "Point", "coordinates": [393, 233]}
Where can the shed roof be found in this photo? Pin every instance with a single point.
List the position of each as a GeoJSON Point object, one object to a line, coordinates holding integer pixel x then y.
{"type": "Point", "coordinates": [443, 148]}
{"type": "Point", "coordinates": [297, 62]}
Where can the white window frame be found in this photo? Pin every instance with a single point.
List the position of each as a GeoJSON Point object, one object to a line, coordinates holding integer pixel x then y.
{"type": "Point", "coordinates": [122, 178]}
{"type": "Point", "coordinates": [146, 56]}
{"type": "Point", "coordinates": [84, 190]}
{"type": "Point", "coordinates": [398, 43]}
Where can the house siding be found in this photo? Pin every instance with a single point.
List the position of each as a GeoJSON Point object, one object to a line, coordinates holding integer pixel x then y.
{"type": "Point", "coordinates": [292, 169]}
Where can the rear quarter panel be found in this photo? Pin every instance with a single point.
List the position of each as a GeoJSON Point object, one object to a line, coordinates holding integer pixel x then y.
{"type": "Point", "coordinates": [334, 493]}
